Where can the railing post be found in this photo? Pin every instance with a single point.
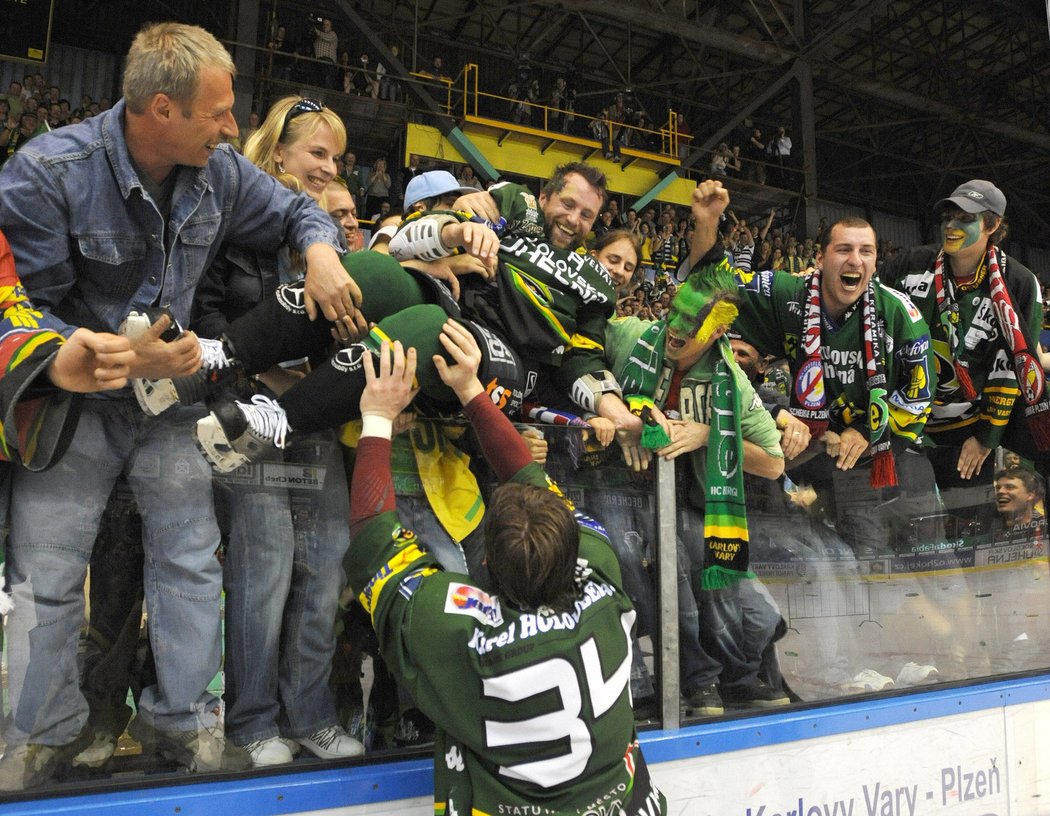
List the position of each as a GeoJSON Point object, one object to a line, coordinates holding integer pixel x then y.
{"type": "Point", "coordinates": [667, 566]}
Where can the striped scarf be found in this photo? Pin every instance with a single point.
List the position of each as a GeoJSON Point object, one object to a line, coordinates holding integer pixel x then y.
{"type": "Point", "coordinates": [1027, 368]}
{"type": "Point", "coordinates": [725, 512]}
{"type": "Point", "coordinates": [809, 398]}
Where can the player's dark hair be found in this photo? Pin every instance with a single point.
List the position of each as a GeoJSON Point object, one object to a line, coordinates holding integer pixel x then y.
{"type": "Point", "coordinates": [531, 545]}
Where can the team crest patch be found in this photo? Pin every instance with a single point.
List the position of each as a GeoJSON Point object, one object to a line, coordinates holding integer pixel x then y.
{"type": "Point", "coordinates": [1033, 379]}
{"type": "Point", "coordinates": [810, 385]}
{"type": "Point", "coordinates": [464, 599]}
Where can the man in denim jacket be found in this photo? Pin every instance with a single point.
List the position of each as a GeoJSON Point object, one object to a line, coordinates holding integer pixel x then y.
{"type": "Point", "coordinates": [123, 213]}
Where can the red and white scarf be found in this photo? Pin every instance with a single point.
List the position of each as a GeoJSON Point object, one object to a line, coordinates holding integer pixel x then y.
{"type": "Point", "coordinates": [1027, 368]}
{"type": "Point", "coordinates": [808, 397]}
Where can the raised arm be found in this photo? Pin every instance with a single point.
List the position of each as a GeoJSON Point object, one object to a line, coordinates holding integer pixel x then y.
{"type": "Point", "coordinates": [710, 200]}
{"type": "Point", "coordinates": [387, 393]}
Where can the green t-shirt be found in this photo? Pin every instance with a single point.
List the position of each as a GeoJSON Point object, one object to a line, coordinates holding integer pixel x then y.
{"type": "Point", "coordinates": [756, 423]}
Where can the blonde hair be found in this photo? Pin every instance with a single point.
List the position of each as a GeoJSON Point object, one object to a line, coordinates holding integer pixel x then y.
{"type": "Point", "coordinates": [260, 149]}
{"type": "Point", "coordinates": [168, 58]}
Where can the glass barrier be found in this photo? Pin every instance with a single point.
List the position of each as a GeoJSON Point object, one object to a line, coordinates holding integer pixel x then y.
{"type": "Point", "coordinates": [854, 591]}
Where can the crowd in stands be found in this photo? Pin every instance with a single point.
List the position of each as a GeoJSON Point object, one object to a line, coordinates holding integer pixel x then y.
{"type": "Point", "coordinates": [32, 107]}
{"type": "Point", "coordinates": [266, 365]}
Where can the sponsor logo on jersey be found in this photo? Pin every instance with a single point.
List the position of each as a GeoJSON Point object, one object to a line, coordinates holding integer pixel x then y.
{"type": "Point", "coordinates": [464, 599]}
{"type": "Point", "coordinates": [506, 398]}
{"type": "Point", "coordinates": [292, 297]}
{"type": "Point", "coordinates": [349, 359]}
{"type": "Point", "coordinates": [498, 351]}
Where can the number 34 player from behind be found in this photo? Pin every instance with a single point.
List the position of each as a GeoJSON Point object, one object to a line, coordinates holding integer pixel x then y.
{"type": "Point", "coordinates": [527, 680]}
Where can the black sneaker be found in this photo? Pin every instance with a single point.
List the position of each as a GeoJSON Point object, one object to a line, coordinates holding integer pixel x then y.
{"type": "Point", "coordinates": [236, 433]}
{"type": "Point", "coordinates": [703, 701]}
{"type": "Point", "coordinates": [413, 729]}
{"type": "Point", "coordinates": [755, 695]}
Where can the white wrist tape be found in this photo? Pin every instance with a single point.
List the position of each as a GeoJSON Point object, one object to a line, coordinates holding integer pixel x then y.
{"type": "Point", "coordinates": [421, 239]}
{"type": "Point", "coordinates": [587, 389]}
{"type": "Point", "coordinates": [375, 425]}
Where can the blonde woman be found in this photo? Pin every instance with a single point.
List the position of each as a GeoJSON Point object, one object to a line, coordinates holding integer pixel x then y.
{"type": "Point", "coordinates": [283, 567]}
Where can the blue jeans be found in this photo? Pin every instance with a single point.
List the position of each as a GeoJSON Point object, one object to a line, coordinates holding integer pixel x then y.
{"type": "Point", "coordinates": [283, 575]}
{"type": "Point", "coordinates": [54, 520]}
{"type": "Point", "coordinates": [416, 515]}
{"type": "Point", "coordinates": [734, 625]}
{"type": "Point", "coordinates": [631, 529]}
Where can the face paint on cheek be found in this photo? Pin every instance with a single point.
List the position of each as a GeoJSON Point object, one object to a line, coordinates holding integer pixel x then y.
{"type": "Point", "coordinates": [959, 235]}
{"type": "Point", "coordinates": [684, 310]}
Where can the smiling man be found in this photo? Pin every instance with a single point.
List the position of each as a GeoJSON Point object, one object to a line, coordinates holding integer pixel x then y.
{"type": "Point", "coordinates": [539, 315]}
{"type": "Point", "coordinates": [985, 312]}
{"type": "Point", "coordinates": [124, 212]}
{"type": "Point", "coordinates": [859, 354]}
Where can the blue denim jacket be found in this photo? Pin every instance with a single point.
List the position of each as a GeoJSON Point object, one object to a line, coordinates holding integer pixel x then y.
{"type": "Point", "coordinates": [88, 239]}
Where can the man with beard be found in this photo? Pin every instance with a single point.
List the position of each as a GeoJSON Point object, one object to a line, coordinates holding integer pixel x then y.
{"type": "Point", "coordinates": [985, 311]}
{"type": "Point", "coordinates": [540, 321]}
{"type": "Point", "coordinates": [860, 360]}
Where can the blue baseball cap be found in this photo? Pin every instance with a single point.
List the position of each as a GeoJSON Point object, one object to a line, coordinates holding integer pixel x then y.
{"type": "Point", "coordinates": [431, 184]}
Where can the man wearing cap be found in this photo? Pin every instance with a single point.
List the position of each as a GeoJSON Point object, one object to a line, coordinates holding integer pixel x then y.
{"type": "Point", "coordinates": [984, 312]}
{"type": "Point", "coordinates": [433, 190]}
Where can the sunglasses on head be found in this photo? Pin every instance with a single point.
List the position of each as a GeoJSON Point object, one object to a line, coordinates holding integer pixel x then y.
{"type": "Point", "coordinates": [299, 108]}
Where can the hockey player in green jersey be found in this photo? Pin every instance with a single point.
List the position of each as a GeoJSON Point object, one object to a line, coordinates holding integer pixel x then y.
{"type": "Point", "coordinates": [527, 680]}
{"type": "Point", "coordinates": [861, 363]}
{"type": "Point", "coordinates": [985, 314]}
{"type": "Point", "coordinates": [540, 322]}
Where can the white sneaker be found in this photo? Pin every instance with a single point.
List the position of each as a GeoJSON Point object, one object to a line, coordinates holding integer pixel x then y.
{"type": "Point", "coordinates": [270, 751]}
{"type": "Point", "coordinates": [867, 680]}
{"type": "Point", "coordinates": [157, 396]}
{"type": "Point", "coordinates": [235, 433]}
{"type": "Point", "coordinates": [98, 753]}
{"type": "Point", "coordinates": [332, 743]}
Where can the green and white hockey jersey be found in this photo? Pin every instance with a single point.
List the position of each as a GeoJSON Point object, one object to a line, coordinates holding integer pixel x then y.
{"type": "Point", "coordinates": [771, 319]}
{"type": "Point", "coordinates": [532, 708]}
